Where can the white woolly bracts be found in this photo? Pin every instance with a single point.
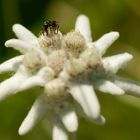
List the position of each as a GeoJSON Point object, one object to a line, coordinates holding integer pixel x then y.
{"type": "Point", "coordinates": [69, 68]}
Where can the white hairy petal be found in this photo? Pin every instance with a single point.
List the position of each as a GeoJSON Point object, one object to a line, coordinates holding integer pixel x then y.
{"type": "Point", "coordinates": [19, 45]}
{"type": "Point", "coordinates": [69, 117]}
{"type": "Point", "coordinates": [36, 113]}
{"type": "Point", "coordinates": [83, 25]}
{"type": "Point", "coordinates": [70, 120]}
{"type": "Point", "coordinates": [86, 97]}
{"type": "Point", "coordinates": [108, 87]}
{"type": "Point", "coordinates": [114, 63]}
{"type": "Point", "coordinates": [40, 79]}
{"type": "Point", "coordinates": [11, 85]}
{"type": "Point", "coordinates": [32, 82]}
{"type": "Point", "coordinates": [11, 64]}
{"type": "Point", "coordinates": [105, 41]}
{"type": "Point", "coordinates": [129, 86]}
{"type": "Point", "coordinates": [24, 34]}
{"type": "Point", "coordinates": [58, 131]}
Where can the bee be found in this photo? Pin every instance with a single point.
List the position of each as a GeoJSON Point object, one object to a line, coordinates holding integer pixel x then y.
{"type": "Point", "coordinates": [50, 27]}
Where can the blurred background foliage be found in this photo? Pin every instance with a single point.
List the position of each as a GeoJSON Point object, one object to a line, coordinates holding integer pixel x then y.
{"type": "Point", "coordinates": [122, 113]}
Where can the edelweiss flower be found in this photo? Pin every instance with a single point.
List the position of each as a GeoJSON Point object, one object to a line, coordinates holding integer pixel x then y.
{"type": "Point", "coordinates": [69, 68]}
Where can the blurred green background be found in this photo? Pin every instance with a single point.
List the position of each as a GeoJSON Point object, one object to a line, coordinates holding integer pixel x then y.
{"type": "Point", "coordinates": [122, 113]}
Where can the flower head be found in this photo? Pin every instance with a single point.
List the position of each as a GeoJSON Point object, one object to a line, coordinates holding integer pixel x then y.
{"type": "Point", "coordinates": [70, 68]}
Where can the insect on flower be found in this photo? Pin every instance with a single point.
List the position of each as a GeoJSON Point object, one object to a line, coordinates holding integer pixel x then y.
{"type": "Point", "coordinates": [50, 27]}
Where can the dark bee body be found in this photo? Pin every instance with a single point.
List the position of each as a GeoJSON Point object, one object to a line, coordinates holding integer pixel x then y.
{"type": "Point", "coordinates": [50, 27]}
